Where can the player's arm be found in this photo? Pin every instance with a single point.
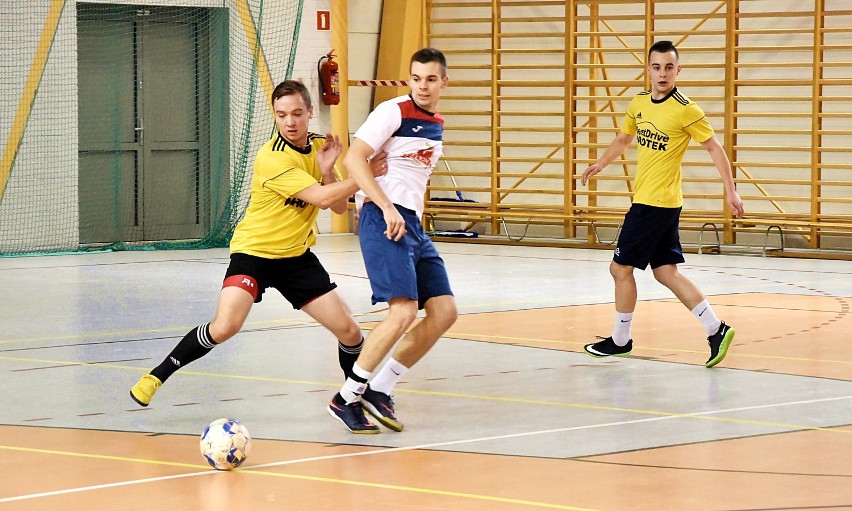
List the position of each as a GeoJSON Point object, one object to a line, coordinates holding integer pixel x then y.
{"type": "Point", "coordinates": [326, 158]}
{"type": "Point", "coordinates": [330, 196]}
{"type": "Point", "coordinates": [357, 164]}
{"type": "Point", "coordinates": [615, 149]}
{"type": "Point", "coordinates": [332, 193]}
{"type": "Point", "coordinates": [723, 165]}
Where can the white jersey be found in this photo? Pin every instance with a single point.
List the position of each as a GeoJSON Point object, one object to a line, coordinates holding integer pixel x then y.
{"type": "Point", "coordinates": [412, 138]}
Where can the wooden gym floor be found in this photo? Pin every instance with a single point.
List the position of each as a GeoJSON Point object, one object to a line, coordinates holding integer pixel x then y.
{"type": "Point", "coordinates": [505, 414]}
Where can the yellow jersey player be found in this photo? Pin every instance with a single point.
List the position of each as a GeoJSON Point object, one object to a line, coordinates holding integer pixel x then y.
{"type": "Point", "coordinates": [663, 121]}
{"type": "Point", "coordinates": [294, 177]}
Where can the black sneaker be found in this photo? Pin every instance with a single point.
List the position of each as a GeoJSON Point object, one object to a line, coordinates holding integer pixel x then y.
{"type": "Point", "coordinates": [351, 415]}
{"type": "Point", "coordinates": [380, 406]}
{"type": "Point", "coordinates": [606, 347]}
{"type": "Point", "coordinates": [719, 344]}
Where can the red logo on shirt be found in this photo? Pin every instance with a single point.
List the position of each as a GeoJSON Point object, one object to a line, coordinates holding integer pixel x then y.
{"type": "Point", "coordinates": [424, 156]}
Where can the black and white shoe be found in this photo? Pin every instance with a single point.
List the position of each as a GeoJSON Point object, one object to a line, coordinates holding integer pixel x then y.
{"type": "Point", "coordinates": [606, 347]}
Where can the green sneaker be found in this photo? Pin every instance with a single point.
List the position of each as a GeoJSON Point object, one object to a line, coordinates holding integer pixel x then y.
{"type": "Point", "coordinates": [145, 388]}
{"type": "Point", "coordinates": [719, 344]}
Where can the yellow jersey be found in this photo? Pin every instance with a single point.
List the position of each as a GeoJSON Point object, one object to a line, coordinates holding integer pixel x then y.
{"type": "Point", "coordinates": [276, 224]}
{"type": "Point", "coordinates": [663, 129]}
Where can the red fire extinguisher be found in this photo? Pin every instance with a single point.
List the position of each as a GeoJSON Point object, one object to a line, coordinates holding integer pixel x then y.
{"type": "Point", "coordinates": [329, 79]}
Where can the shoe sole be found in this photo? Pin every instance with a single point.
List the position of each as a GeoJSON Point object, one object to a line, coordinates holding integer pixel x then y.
{"type": "Point", "coordinates": [723, 348]}
{"type": "Point", "coordinates": [596, 355]}
{"type": "Point", "coordinates": [354, 431]}
{"type": "Point", "coordinates": [384, 421]}
{"type": "Point", "coordinates": [140, 403]}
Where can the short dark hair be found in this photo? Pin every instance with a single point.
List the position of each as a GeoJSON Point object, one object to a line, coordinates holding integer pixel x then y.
{"type": "Point", "coordinates": [290, 87]}
{"type": "Point", "coordinates": [427, 55]}
{"type": "Point", "coordinates": [662, 47]}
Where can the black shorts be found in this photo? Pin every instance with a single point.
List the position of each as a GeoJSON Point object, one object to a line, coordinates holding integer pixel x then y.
{"type": "Point", "coordinates": [299, 279]}
{"type": "Point", "coordinates": [649, 236]}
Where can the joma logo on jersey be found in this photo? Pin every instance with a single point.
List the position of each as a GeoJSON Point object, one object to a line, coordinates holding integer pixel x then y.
{"type": "Point", "coordinates": [292, 201]}
{"type": "Point", "coordinates": [424, 156]}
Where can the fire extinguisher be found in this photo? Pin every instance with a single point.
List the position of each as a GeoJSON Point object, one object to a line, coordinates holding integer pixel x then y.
{"type": "Point", "coordinates": [329, 79]}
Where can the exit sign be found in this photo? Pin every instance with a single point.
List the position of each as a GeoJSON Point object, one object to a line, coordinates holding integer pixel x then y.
{"type": "Point", "coordinates": [323, 20]}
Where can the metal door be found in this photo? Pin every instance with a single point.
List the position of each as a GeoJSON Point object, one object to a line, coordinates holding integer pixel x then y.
{"type": "Point", "coordinates": [143, 124]}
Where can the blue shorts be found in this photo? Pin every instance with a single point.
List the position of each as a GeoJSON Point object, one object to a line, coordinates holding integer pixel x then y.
{"type": "Point", "coordinates": [649, 236]}
{"type": "Point", "coordinates": [408, 268]}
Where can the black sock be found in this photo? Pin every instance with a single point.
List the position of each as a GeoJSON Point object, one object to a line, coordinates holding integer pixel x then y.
{"type": "Point", "coordinates": [193, 346]}
{"type": "Point", "coordinates": [347, 356]}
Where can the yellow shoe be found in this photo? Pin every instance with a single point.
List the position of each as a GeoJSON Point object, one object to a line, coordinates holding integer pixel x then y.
{"type": "Point", "coordinates": [144, 389]}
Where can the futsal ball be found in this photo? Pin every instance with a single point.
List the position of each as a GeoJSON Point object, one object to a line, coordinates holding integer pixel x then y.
{"type": "Point", "coordinates": [225, 444]}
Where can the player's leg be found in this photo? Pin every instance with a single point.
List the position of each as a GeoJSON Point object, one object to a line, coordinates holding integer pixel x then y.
{"type": "Point", "coordinates": [379, 342]}
{"type": "Point", "coordinates": [441, 313]}
{"type": "Point", "coordinates": [632, 251]}
{"type": "Point", "coordinates": [664, 263]}
{"type": "Point", "coordinates": [682, 286]}
{"type": "Point", "coordinates": [240, 290]}
{"type": "Point", "coordinates": [234, 305]}
{"type": "Point", "coordinates": [346, 405]}
{"type": "Point", "coordinates": [331, 311]}
{"type": "Point", "coordinates": [719, 334]}
{"type": "Point", "coordinates": [434, 296]}
{"type": "Point", "coordinates": [390, 267]}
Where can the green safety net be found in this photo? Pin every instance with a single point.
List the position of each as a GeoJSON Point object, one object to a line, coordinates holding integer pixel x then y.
{"type": "Point", "coordinates": [134, 127]}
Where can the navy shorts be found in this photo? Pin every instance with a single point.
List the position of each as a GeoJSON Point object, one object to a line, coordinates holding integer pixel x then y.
{"type": "Point", "coordinates": [649, 236]}
{"type": "Point", "coordinates": [408, 268]}
{"type": "Point", "coordinates": [299, 279]}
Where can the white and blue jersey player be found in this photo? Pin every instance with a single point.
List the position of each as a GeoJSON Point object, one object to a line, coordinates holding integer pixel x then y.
{"type": "Point", "coordinates": [404, 268]}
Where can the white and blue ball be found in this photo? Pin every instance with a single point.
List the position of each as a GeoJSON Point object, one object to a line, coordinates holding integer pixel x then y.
{"type": "Point", "coordinates": [225, 444]}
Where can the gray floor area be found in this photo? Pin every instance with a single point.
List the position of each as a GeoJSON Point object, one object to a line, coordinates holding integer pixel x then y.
{"type": "Point", "coordinates": [77, 331]}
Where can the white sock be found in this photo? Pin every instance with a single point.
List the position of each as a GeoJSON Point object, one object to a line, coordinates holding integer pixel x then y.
{"type": "Point", "coordinates": [388, 377]}
{"type": "Point", "coordinates": [621, 330]}
{"type": "Point", "coordinates": [353, 388]}
{"type": "Point", "coordinates": [707, 317]}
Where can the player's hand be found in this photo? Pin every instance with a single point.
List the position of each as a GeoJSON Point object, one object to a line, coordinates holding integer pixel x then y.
{"type": "Point", "coordinates": [379, 164]}
{"type": "Point", "coordinates": [327, 154]}
{"type": "Point", "coordinates": [589, 172]}
{"type": "Point", "coordinates": [395, 223]}
{"type": "Point", "coordinates": [736, 204]}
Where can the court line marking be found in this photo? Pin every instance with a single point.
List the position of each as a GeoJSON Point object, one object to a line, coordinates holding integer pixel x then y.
{"type": "Point", "coordinates": [449, 334]}
{"type": "Point", "coordinates": [181, 330]}
{"type": "Point", "coordinates": [473, 396]}
{"type": "Point", "coordinates": [434, 445]}
{"type": "Point", "coordinates": [470, 310]}
{"type": "Point", "coordinates": [253, 470]}
{"type": "Point", "coordinates": [468, 336]}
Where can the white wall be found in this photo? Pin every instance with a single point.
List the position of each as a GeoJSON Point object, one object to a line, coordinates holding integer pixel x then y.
{"type": "Point", "coordinates": [364, 24]}
{"type": "Point", "coordinates": [42, 187]}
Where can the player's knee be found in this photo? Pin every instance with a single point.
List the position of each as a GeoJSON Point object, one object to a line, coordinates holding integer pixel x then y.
{"type": "Point", "coordinates": [666, 275]}
{"type": "Point", "coordinates": [443, 311]}
{"type": "Point", "coordinates": [222, 329]}
{"type": "Point", "coordinates": [402, 313]}
{"type": "Point", "coordinates": [351, 334]}
{"type": "Point", "coordinates": [620, 271]}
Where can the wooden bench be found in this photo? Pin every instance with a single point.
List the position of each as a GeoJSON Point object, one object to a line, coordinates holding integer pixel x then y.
{"type": "Point", "coordinates": [597, 217]}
